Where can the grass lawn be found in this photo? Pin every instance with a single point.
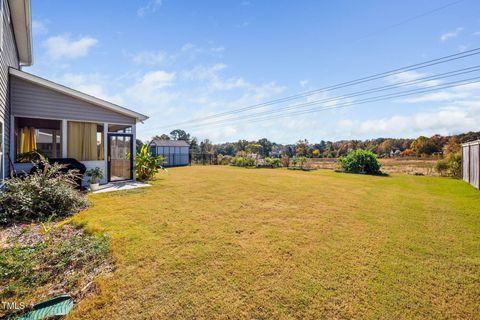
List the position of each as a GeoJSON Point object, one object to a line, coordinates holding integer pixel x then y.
{"type": "Point", "coordinates": [232, 243]}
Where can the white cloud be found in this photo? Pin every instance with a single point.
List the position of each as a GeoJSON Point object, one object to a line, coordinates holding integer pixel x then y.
{"type": "Point", "coordinates": [476, 33]}
{"type": "Point", "coordinates": [407, 76]}
{"type": "Point", "coordinates": [451, 34]}
{"type": "Point", "coordinates": [303, 83]}
{"type": "Point", "coordinates": [444, 121]}
{"type": "Point", "coordinates": [457, 110]}
{"type": "Point", "coordinates": [150, 58]}
{"type": "Point", "coordinates": [39, 27]}
{"type": "Point", "coordinates": [151, 7]}
{"type": "Point", "coordinates": [62, 47]}
{"type": "Point", "coordinates": [217, 49]}
{"type": "Point", "coordinates": [92, 84]}
{"type": "Point", "coordinates": [436, 97]}
{"type": "Point", "coordinates": [202, 73]}
{"type": "Point", "coordinates": [150, 88]}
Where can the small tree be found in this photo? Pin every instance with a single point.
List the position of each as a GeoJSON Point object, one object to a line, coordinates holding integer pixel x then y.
{"type": "Point", "coordinates": [360, 161]}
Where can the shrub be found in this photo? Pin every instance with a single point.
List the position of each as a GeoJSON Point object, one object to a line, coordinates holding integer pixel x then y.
{"type": "Point", "coordinates": [147, 165]}
{"type": "Point", "coordinates": [285, 161]}
{"type": "Point", "coordinates": [301, 161]}
{"type": "Point", "coordinates": [243, 162]}
{"type": "Point", "coordinates": [41, 194]}
{"type": "Point", "coordinates": [223, 160]}
{"type": "Point", "coordinates": [451, 166]}
{"type": "Point", "coordinates": [268, 163]}
{"type": "Point", "coordinates": [441, 166]}
{"type": "Point", "coordinates": [272, 162]}
{"type": "Point", "coordinates": [360, 161]}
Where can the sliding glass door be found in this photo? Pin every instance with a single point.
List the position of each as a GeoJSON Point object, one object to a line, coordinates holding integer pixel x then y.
{"type": "Point", "coordinates": [120, 157]}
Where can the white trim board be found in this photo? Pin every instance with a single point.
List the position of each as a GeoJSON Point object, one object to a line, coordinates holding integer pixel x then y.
{"type": "Point", "coordinates": [76, 94]}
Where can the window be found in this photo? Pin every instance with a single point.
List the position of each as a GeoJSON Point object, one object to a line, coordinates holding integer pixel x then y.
{"type": "Point", "coordinates": [119, 128]}
{"type": "Point", "coordinates": [85, 141]}
{"type": "Point", "coordinates": [37, 135]}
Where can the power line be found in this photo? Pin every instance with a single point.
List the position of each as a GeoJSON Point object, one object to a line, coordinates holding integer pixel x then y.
{"type": "Point", "coordinates": [351, 95]}
{"type": "Point", "coordinates": [418, 16]}
{"type": "Point", "coordinates": [377, 76]}
{"type": "Point", "coordinates": [363, 101]}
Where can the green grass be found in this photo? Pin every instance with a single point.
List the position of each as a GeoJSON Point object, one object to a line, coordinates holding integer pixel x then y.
{"type": "Point", "coordinates": [232, 243]}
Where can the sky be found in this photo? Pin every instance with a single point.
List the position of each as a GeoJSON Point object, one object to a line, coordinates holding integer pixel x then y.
{"type": "Point", "coordinates": [178, 61]}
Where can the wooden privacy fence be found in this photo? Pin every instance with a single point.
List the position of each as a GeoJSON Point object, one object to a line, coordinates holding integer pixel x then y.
{"type": "Point", "coordinates": [471, 163]}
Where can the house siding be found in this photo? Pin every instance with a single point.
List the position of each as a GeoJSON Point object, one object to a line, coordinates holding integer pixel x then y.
{"type": "Point", "coordinates": [8, 58]}
{"type": "Point", "coordinates": [32, 100]}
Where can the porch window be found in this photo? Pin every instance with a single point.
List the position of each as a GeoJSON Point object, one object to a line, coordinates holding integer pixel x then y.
{"type": "Point", "coordinates": [37, 135]}
{"type": "Point", "coordinates": [85, 141]}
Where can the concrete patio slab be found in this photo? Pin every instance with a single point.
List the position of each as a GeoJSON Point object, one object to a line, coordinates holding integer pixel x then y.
{"type": "Point", "coordinates": [121, 186]}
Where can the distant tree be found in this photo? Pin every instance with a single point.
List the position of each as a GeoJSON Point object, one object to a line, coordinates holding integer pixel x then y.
{"type": "Point", "coordinates": [425, 146]}
{"type": "Point", "coordinates": [316, 153]}
{"type": "Point", "coordinates": [253, 148]}
{"type": "Point", "coordinates": [407, 153]}
{"type": "Point", "coordinates": [240, 145]}
{"type": "Point", "coordinates": [179, 134]}
{"type": "Point", "coordinates": [301, 148]}
{"type": "Point", "coordinates": [161, 137]}
{"type": "Point", "coordinates": [386, 146]}
{"type": "Point", "coordinates": [206, 146]}
{"type": "Point", "coordinates": [451, 147]}
{"type": "Point", "coordinates": [266, 147]}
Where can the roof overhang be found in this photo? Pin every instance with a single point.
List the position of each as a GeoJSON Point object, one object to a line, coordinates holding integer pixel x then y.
{"type": "Point", "coordinates": [470, 143]}
{"type": "Point", "coordinates": [76, 94]}
{"type": "Point", "coordinates": [22, 28]}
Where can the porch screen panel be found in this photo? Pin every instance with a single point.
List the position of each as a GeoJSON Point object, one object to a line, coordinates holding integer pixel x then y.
{"type": "Point", "coordinates": [82, 141]}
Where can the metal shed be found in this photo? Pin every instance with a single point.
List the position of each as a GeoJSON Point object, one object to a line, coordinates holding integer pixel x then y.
{"type": "Point", "coordinates": [471, 163]}
{"type": "Point", "coordinates": [176, 152]}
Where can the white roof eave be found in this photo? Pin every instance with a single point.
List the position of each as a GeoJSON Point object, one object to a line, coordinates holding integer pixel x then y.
{"type": "Point", "coordinates": [20, 13]}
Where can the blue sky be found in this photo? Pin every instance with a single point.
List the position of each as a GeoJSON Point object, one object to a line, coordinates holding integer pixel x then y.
{"type": "Point", "coordinates": [180, 60]}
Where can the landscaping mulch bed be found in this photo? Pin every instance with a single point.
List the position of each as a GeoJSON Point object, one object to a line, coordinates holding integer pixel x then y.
{"type": "Point", "coordinates": [41, 261]}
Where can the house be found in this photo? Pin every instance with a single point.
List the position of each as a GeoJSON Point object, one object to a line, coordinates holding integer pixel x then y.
{"type": "Point", "coordinates": [395, 153]}
{"type": "Point", "coordinates": [176, 152]}
{"type": "Point", "coordinates": [471, 163]}
{"type": "Point", "coordinates": [40, 115]}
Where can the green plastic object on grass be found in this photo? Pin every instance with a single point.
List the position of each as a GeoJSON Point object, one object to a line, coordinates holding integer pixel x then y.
{"type": "Point", "coordinates": [58, 306]}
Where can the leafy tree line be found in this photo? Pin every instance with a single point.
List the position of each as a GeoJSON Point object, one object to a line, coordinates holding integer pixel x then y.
{"type": "Point", "coordinates": [420, 147]}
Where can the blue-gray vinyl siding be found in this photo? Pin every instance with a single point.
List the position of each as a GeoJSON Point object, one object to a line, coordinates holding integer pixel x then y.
{"type": "Point", "coordinates": [8, 58]}
{"type": "Point", "coordinates": [33, 100]}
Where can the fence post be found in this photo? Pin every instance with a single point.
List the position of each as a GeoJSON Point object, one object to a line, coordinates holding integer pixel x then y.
{"type": "Point", "coordinates": [478, 166]}
{"type": "Point", "coordinates": [469, 171]}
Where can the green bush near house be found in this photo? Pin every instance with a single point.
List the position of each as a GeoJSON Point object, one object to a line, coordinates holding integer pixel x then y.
{"type": "Point", "coordinates": [360, 161]}
{"type": "Point", "coordinates": [146, 164]}
{"type": "Point", "coordinates": [39, 195]}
